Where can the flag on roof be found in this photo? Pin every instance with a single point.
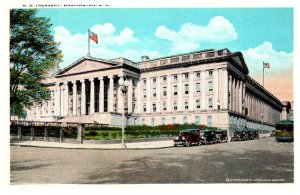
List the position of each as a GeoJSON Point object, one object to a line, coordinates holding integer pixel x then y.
{"type": "Point", "coordinates": [93, 36]}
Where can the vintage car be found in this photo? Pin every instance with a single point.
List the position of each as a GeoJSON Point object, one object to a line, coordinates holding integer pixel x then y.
{"type": "Point", "coordinates": [221, 135]}
{"type": "Point", "coordinates": [208, 136]}
{"type": "Point", "coordinates": [236, 136]}
{"type": "Point", "coordinates": [187, 137]}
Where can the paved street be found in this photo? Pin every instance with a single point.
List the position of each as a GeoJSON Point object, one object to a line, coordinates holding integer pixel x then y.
{"type": "Point", "coordinates": [262, 160]}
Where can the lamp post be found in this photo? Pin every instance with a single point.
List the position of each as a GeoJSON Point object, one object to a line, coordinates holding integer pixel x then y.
{"type": "Point", "coordinates": [262, 122]}
{"type": "Point", "coordinates": [218, 107]}
{"type": "Point", "coordinates": [124, 87]}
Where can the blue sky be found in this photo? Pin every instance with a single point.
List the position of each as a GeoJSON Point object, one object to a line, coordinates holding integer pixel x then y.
{"type": "Point", "coordinates": [261, 34]}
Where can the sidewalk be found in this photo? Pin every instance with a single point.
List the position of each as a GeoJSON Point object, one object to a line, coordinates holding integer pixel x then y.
{"type": "Point", "coordinates": [137, 145]}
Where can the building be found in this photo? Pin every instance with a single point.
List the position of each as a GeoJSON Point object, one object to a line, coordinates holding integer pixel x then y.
{"type": "Point", "coordinates": [210, 87]}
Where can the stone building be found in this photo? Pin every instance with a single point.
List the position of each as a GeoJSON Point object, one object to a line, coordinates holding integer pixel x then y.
{"type": "Point", "coordinates": [210, 87]}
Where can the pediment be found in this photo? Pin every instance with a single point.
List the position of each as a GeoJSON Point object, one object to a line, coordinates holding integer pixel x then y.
{"type": "Point", "coordinates": [240, 62]}
{"type": "Point", "coordinates": [84, 65]}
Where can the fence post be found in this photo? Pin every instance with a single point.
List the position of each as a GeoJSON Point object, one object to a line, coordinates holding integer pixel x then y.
{"type": "Point", "coordinates": [19, 132]}
{"type": "Point", "coordinates": [80, 133]}
{"type": "Point", "coordinates": [61, 135]}
{"type": "Point", "coordinates": [46, 134]}
{"type": "Point", "coordinates": [31, 133]}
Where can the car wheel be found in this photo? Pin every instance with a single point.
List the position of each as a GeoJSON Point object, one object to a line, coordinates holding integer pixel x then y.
{"type": "Point", "coordinates": [175, 145]}
{"type": "Point", "coordinates": [187, 144]}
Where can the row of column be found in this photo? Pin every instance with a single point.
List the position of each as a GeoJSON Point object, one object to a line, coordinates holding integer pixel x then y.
{"type": "Point", "coordinates": [220, 84]}
{"type": "Point", "coordinates": [62, 97]}
{"type": "Point", "coordinates": [236, 94]}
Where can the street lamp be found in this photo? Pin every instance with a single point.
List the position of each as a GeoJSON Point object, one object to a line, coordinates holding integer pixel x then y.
{"type": "Point", "coordinates": [218, 107]}
{"type": "Point", "coordinates": [262, 122]}
{"type": "Point", "coordinates": [124, 87]}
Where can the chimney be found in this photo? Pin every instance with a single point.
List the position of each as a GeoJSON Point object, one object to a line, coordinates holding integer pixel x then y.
{"type": "Point", "coordinates": [145, 58]}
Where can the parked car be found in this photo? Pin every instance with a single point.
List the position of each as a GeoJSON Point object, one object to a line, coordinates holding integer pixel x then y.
{"type": "Point", "coordinates": [208, 136]}
{"type": "Point", "coordinates": [221, 135]}
{"type": "Point", "coordinates": [236, 136]}
{"type": "Point", "coordinates": [187, 137]}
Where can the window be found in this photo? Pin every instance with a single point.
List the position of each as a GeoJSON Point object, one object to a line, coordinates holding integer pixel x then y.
{"type": "Point", "coordinates": [210, 86]}
{"type": "Point", "coordinates": [174, 120]}
{"type": "Point", "coordinates": [198, 89]}
{"type": "Point", "coordinates": [210, 73]}
{"type": "Point", "coordinates": [209, 120]}
{"type": "Point", "coordinates": [175, 105]}
{"type": "Point", "coordinates": [164, 106]}
{"type": "Point", "coordinates": [154, 80]}
{"type": "Point", "coordinates": [210, 103]}
{"type": "Point", "coordinates": [154, 107]}
{"type": "Point", "coordinates": [186, 89]}
{"type": "Point", "coordinates": [163, 120]}
{"type": "Point", "coordinates": [154, 92]}
{"type": "Point", "coordinates": [197, 120]}
{"type": "Point", "coordinates": [175, 89]}
{"type": "Point", "coordinates": [164, 91]}
{"type": "Point", "coordinates": [145, 93]}
{"type": "Point", "coordinates": [152, 121]}
{"type": "Point", "coordinates": [175, 77]}
{"type": "Point", "coordinates": [198, 75]}
{"type": "Point", "coordinates": [198, 105]}
{"type": "Point", "coordinates": [185, 119]}
{"type": "Point", "coordinates": [145, 108]}
{"type": "Point", "coordinates": [186, 105]}
{"type": "Point", "coordinates": [145, 81]}
{"type": "Point", "coordinates": [164, 79]}
{"type": "Point", "coordinates": [186, 76]}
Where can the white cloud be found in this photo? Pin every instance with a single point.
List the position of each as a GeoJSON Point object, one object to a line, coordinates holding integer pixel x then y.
{"type": "Point", "coordinates": [75, 46]}
{"type": "Point", "coordinates": [280, 61]}
{"type": "Point", "coordinates": [190, 36]}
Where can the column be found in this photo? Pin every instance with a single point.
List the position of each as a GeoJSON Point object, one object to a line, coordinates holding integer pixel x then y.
{"type": "Point", "coordinates": [229, 92]}
{"type": "Point", "coordinates": [92, 97]}
{"type": "Point", "coordinates": [191, 91]}
{"type": "Point", "coordinates": [203, 90]}
{"type": "Point", "coordinates": [225, 89]}
{"type": "Point", "coordinates": [111, 94]}
{"type": "Point", "coordinates": [74, 98]}
{"type": "Point", "coordinates": [66, 99]}
{"type": "Point", "coordinates": [57, 100]}
{"type": "Point", "coordinates": [129, 96]}
{"type": "Point", "coordinates": [169, 92]}
{"type": "Point", "coordinates": [216, 87]}
{"type": "Point", "coordinates": [101, 95]}
{"type": "Point", "coordinates": [158, 102]}
{"type": "Point", "coordinates": [179, 102]}
{"type": "Point", "coordinates": [83, 97]}
{"type": "Point", "coordinates": [119, 94]}
{"type": "Point", "coordinates": [138, 94]}
{"type": "Point", "coordinates": [241, 96]}
{"type": "Point", "coordinates": [148, 96]}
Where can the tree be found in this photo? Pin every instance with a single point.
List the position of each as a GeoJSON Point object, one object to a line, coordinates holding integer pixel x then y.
{"type": "Point", "coordinates": [33, 53]}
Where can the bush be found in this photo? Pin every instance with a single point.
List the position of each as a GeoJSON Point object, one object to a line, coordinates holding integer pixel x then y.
{"type": "Point", "coordinates": [93, 133]}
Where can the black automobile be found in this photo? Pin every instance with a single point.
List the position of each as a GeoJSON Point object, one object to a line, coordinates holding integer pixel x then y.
{"type": "Point", "coordinates": [187, 137]}
{"type": "Point", "coordinates": [236, 136]}
{"type": "Point", "coordinates": [208, 136]}
{"type": "Point", "coordinates": [221, 135]}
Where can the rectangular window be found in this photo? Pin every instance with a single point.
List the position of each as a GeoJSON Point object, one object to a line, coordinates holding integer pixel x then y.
{"type": "Point", "coordinates": [154, 107]}
{"type": "Point", "coordinates": [185, 119]}
{"type": "Point", "coordinates": [198, 75]}
{"type": "Point", "coordinates": [175, 105]}
{"type": "Point", "coordinates": [175, 89]}
{"type": "Point", "coordinates": [210, 73]}
{"type": "Point", "coordinates": [164, 106]}
{"type": "Point", "coordinates": [164, 79]}
{"type": "Point", "coordinates": [154, 80]}
{"type": "Point", "coordinates": [198, 89]}
{"type": "Point", "coordinates": [174, 120]}
{"type": "Point", "coordinates": [186, 89]}
{"type": "Point", "coordinates": [197, 120]}
{"type": "Point", "coordinates": [209, 120]}
{"type": "Point", "coordinates": [186, 76]}
{"type": "Point", "coordinates": [198, 105]}
{"type": "Point", "coordinates": [186, 105]}
{"type": "Point", "coordinates": [145, 93]}
{"type": "Point", "coordinates": [210, 86]}
{"type": "Point", "coordinates": [210, 103]}
{"type": "Point", "coordinates": [145, 108]}
{"type": "Point", "coordinates": [154, 92]}
{"type": "Point", "coordinates": [165, 91]}
{"type": "Point", "coordinates": [175, 78]}
{"type": "Point", "coordinates": [144, 81]}
{"type": "Point", "coordinates": [163, 120]}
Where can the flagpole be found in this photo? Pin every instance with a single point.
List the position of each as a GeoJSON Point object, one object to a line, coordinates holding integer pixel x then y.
{"type": "Point", "coordinates": [88, 54]}
{"type": "Point", "coordinates": [264, 74]}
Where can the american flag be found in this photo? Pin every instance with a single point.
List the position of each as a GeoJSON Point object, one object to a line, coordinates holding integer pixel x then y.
{"type": "Point", "coordinates": [266, 65]}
